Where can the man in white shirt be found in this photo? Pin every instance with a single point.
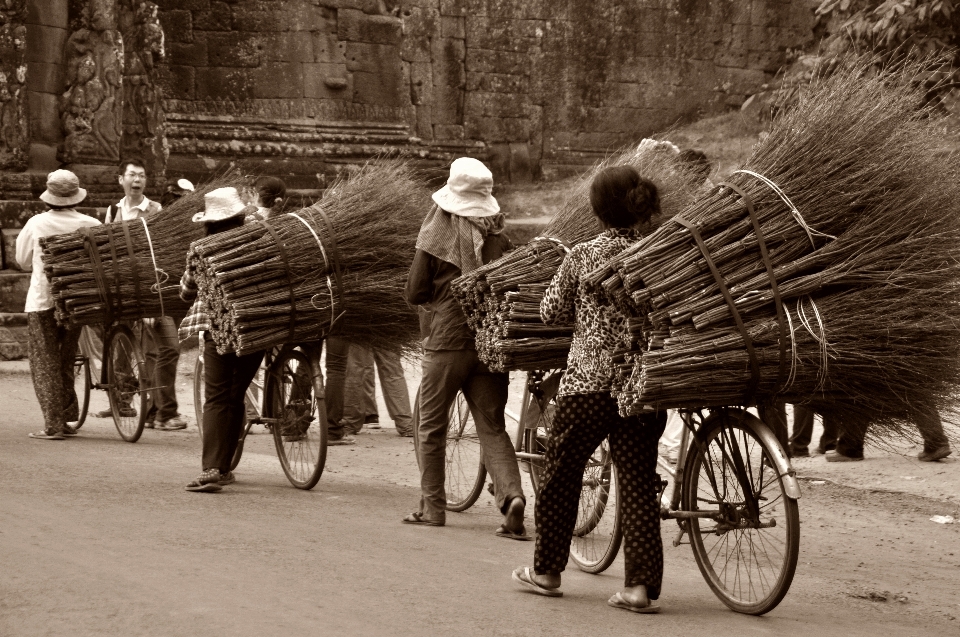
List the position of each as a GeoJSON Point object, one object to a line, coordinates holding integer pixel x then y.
{"type": "Point", "coordinates": [52, 347]}
{"type": "Point", "coordinates": [163, 353]}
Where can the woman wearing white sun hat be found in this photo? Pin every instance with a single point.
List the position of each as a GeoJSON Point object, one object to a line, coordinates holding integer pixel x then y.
{"type": "Point", "coordinates": [460, 233]}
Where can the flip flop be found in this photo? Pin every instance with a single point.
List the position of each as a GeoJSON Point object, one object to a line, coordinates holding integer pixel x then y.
{"type": "Point", "coordinates": [524, 577]}
{"type": "Point", "coordinates": [209, 487]}
{"type": "Point", "coordinates": [520, 535]}
{"type": "Point", "coordinates": [617, 601]}
{"type": "Point", "coordinates": [417, 518]}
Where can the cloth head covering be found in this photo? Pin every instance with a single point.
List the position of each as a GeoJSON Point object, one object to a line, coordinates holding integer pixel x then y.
{"type": "Point", "coordinates": [63, 189]}
{"type": "Point", "coordinates": [455, 239]}
{"type": "Point", "coordinates": [469, 190]}
{"type": "Point", "coordinates": [220, 204]}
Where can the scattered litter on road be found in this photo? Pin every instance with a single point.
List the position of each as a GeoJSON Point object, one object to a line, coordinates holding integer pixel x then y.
{"type": "Point", "coordinates": [817, 483]}
{"type": "Point", "coordinates": [943, 519]}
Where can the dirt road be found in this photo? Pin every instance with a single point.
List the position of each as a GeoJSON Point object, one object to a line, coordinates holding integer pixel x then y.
{"type": "Point", "coordinates": [98, 537]}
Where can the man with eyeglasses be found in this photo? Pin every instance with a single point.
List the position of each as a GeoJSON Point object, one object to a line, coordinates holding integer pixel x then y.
{"type": "Point", "coordinates": [162, 346]}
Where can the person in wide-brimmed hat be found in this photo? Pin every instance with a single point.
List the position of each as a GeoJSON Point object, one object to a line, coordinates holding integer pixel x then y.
{"type": "Point", "coordinates": [460, 233]}
{"type": "Point", "coordinates": [52, 347]}
{"type": "Point", "coordinates": [225, 376]}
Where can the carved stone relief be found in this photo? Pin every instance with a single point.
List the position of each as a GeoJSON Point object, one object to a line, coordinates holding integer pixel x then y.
{"type": "Point", "coordinates": [143, 118]}
{"type": "Point", "coordinates": [92, 106]}
{"type": "Point", "coordinates": [14, 137]}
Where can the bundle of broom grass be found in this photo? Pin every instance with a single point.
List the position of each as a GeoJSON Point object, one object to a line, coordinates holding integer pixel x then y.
{"type": "Point", "coordinates": [502, 299]}
{"type": "Point", "coordinates": [127, 281]}
{"type": "Point", "coordinates": [860, 217]}
{"type": "Point", "coordinates": [339, 265]}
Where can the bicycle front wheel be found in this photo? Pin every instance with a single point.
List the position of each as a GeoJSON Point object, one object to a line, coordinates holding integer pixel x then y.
{"type": "Point", "coordinates": [295, 406]}
{"type": "Point", "coordinates": [464, 470]}
{"type": "Point", "coordinates": [748, 550]}
{"type": "Point", "coordinates": [597, 534]}
{"type": "Point", "coordinates": [81, 386]}
{"type": "Point", "coordinates": [127, 377]}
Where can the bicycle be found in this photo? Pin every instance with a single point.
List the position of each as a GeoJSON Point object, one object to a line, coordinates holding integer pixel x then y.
{"type": "Point", "coordinates": [735, 483]}
{"type": "Point", "coordinates": [291, 405]}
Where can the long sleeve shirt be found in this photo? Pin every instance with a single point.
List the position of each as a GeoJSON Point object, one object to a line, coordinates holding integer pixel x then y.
{"type": "Point", "coordinates": [599, 328]}
{"type": "Point", "coordinates": [45, 224]}
{"type": "Point", "coordinates": [443, 325]}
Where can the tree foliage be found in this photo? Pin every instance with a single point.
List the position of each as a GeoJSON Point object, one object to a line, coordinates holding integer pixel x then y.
{"type": "Point", "coordinates": [889, 26]}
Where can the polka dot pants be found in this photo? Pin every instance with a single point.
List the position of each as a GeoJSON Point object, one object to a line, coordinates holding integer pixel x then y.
{"type": "Point", "coordinates": [581, 423]}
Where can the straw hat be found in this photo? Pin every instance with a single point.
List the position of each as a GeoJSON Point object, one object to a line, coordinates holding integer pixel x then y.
{"type": "Point", "coordinates": [221, 204]}
{"type": "Point", "coordinates": [63, 189]}
{"type": "Point", "coordinates": [468, 192]}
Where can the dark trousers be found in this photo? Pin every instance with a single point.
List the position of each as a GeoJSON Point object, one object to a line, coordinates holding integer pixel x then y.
{"type": "Point", "coordinates": [161, 349]}
{"type": "Point", "coordinates": [445, 372]}
{"type": "Point", "coordinates": [336, 368]}
{"type": "Point", "coordinates": [847, 435]}
{"type": "Point", "coordinates": [53, 350]}
{"type": "Point", "coordinates": [803, 430]}
{"type": "Point", "coordinates": [226, 377]}
{"type": "Point", "coordinates": [581, 423]}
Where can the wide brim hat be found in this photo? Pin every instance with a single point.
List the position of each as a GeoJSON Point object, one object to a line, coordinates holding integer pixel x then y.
{"type": "Point", "coordinates": [220, 204]}
{"type": "Point", "coordinates": [63, 189]}
{"type": "Point", "coordinates": [469, 190]}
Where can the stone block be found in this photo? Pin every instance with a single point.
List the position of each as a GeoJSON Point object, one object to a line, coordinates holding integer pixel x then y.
{"type": "Point", "coordinates": [277, 80]}
{"type": "Point", "coordinates": [45, 44]}
{"type": "Point", "coordinates": [43, 157]}
{"type": "Point", "coordinates": [416, 50]}
{"type": "Point", "coordinates": [421, 83]}
{"type": "Point", "coordinates": [420, 22]}
{"type": "Point", "coordinates": [9, 248]}
{"type": "Point", "coordinates": [462, 7]}
{"type": "Point", "coordinates": [240, 50]}
{"type": "Point", "coordinates": [258, 21]}
{"type": "Point", "coordinates": [766, 61]}
{"type": "Point", "coordinates": [327, 81]}
{"type": "Point", "coordinates": [453, 27]}
{"type": "Point", "coordinates": [328, 49]}
{"type": "Point", "coordinates": [13, 343]}
{"type": "Point", "coordinates": [218, 17]}
{"type": "Point", "coordinates": [447, 105]}
{"type": "Point", "coordinates": [223, 83]}
{"type": "Point", "coordinates": [13, 214]}
{"type": "Point", "coordinates": [448, 63]}
{"type": "Point", "coordinates": [290, 46]}
{"type": "Point", "coordinates": [45, 78]}
{"type": "Point", "coordinates": [448, 132]}
{"type": "Point", "coordinates": [379, 89]}
{"type": "Point", "coordinates": [307, 16]}
{"type": "Point", "coordinates": [521, 167]}
{"type": "Point", "coordinates": [497, 83]}
{"type": "Point", "coordinates": [354, 26]}
{"type": "Point", "coordinates": [185, 5]}
{"type": "Point", "coordinates": [13, 291]}
{"type": "Point", "coordinates": [486, 61]}
{"type": "Point", "coordinates": [503, 34]}
{"type": "Point", "coordinates": [177, 25]}
{"type": "Point", "coordinates": [177, 82]}
{"type": "Point", "coordinates": [47, 13]}
{"type": "Point", "coordinates": [43, 120]}
{"type": "Point", "coordinates": [189, 53]}
{"type": "Point", "coordinates": [424, 122]}
{"type": "Point", "coordinates": [623, 94]}
{"type": "Point", "coordinates": [496, 104]}
{"type": "Point", "coordinates": [379, 59]}
{"type": "Point", "coordinates": [498, 129]}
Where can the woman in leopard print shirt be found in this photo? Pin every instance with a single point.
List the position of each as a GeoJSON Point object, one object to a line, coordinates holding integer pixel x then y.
{"type": "Point", "coordinates": [587, 412]}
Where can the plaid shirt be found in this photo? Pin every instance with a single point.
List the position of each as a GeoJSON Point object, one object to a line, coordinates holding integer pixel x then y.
{"type": "Point", "coordinates": [196, 319]}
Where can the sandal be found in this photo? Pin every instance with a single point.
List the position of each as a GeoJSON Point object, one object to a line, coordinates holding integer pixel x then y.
{"type": "Point", "coordinates": [207, 482]}
{"type": "Point", "coordinates": [524, 577]}
{"type": "Point", "coordinates": [47, 434]}
{"type": "Point", "coordinates": [417, 518]}
{"type": "Point", "coordinates": [520, 535]}
{"type": "Point", "coordinates": [617, 601]}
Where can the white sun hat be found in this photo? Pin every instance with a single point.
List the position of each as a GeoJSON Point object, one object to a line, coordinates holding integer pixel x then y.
{"type": "Point", "coordinates": [221, 204]}
{"type": "Point", "coordinates": [63, 189]}
{"type": "Point", "coordinates": [469, 189]}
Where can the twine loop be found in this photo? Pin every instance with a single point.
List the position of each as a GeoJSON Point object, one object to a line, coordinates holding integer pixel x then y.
{"type": "Point", "coordinates": [326, 264]}
{"type": "Point", "coordinates": [156, 271]}
{"type": "Point", "coordinates": [793, 209]}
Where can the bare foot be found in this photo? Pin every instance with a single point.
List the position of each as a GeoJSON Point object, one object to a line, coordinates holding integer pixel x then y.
{"type": "Point", "coordinates": [547, 580]}
{"type": "Point", "coordinates": [513, 519]}
{"type": "Point", "coordinates": [634, 595]}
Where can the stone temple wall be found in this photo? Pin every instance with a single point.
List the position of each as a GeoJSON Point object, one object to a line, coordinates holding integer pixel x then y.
{"type": "Point", "coordinates": [532, 86]}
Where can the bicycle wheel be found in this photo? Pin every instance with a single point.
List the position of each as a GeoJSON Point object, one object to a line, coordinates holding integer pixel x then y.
{"type": "Point", "coordinates": [294, 399]}
{"type": "Point", "coordinates": [464, 473]}
{"type": "Point", "coordinates": [540, 412]}
{"type": "Point", "coordinates": [748, 551]}
{"type": "Point", "coordinates": [199, 390]}
{"type": "Point", "coordinates": [597, 533]}
{"type": "Point", "coordinates": [127, 377]}
{"type": "Point", "coordinates": [81, 385]}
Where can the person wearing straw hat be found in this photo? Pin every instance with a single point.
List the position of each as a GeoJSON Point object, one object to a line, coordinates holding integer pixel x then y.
{"type": "Point", "coordinates": [225, 376]}
{"type": "Point", "coordinates": [460, 233]}
{"type": "Point", "coordinates": [52, 348]}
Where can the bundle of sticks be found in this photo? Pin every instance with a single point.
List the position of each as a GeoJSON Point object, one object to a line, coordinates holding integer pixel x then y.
{"type": "Point", "coordinates": [845, 277]}
{"type": "Point", "coordinates": [502, 298]}
{"type": "Point", "coordinates": [338, 267]}
{"type": "Point", "coordinates": [127, 270]}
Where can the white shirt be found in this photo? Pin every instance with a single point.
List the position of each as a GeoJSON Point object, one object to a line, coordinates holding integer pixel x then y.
{"type": "Point", "coordinates": [129, 213]}
{"type": "Point", "coordinates": [44, 224]}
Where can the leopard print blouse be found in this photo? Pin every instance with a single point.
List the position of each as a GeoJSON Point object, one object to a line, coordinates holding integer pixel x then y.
{"type": "Point", "coordinates": [599, 328]}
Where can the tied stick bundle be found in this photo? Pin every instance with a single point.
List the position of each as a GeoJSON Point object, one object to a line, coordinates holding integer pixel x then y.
{"type": "Point", "coordinates": [502, 298]}
{"type": "Point", "coordinates": [262, 288]}
{"type": "Point", "coordinates": [122, 284]}
{"type": "Point", "coordinates": [861, 220]}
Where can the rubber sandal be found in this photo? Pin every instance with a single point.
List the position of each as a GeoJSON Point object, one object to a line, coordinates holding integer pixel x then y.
{"type": "Point", "coordinates": [617, 601]}
{"type": "Point", "coordinates": [207, 482]}
{"type": "Point", "coordinates": [227, 478]}
{"type": "Point", "coordinates": [46, 435]}
{"type": "Point", "coordinates": [520, 535]}
{"type": "Point", "coordinates": [524, 577]}
{"type": "Point", "coordinates": [341, 442]}
{"type": "Point", "coordinates": [417, 518]}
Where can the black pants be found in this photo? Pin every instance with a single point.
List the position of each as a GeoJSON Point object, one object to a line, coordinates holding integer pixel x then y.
{"type": "Point", "coordinates": [581, 423]}
{"type": "Point", "coordinates": [226, 377]}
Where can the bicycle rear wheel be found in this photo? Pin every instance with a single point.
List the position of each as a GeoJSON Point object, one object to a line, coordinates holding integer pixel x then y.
{"type": "Point", "coordinates": [597, 534]}
{"type": "Point", "coordinates": [295, 403]}
{"type": "Point", "coordinates": [748, 551]}
{"type": "Point", "coordinates": [127, 377]}
{"type": "Point", "coordinates": [464, 473]}
{"type": "Point", "coordinates": [81, 386]}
